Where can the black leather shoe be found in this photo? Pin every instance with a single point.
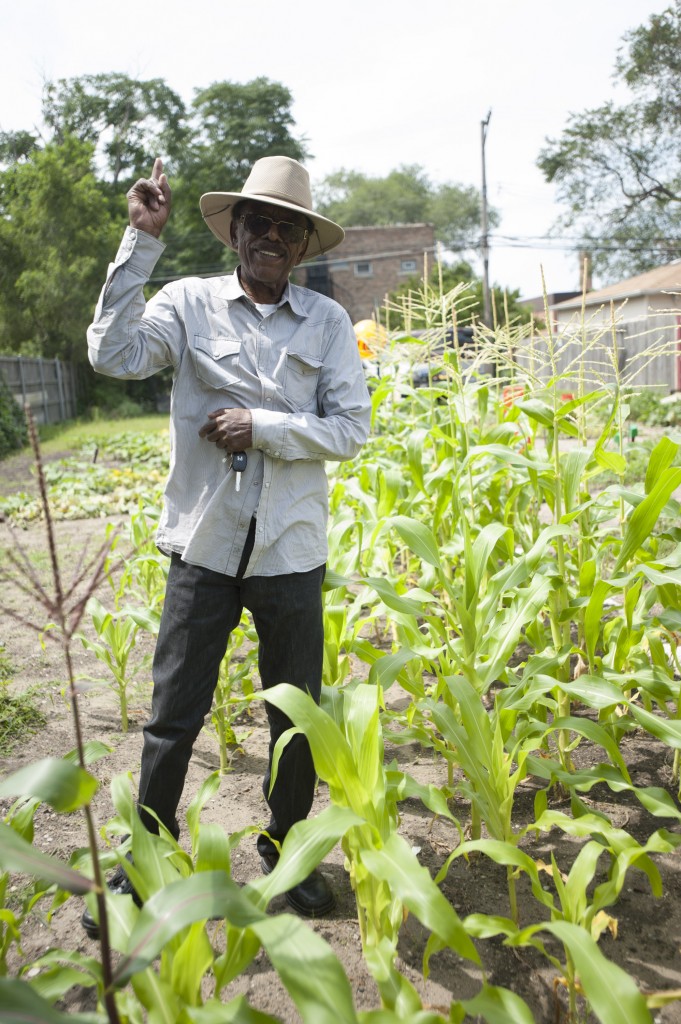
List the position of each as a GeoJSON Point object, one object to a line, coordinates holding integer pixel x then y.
{"type": "Point", "coordinates": [119, 885]}
{"type": "Point", "coordinates": [310, 898]}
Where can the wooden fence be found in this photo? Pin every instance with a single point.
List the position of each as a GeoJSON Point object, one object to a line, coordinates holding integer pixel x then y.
{"type": "Point", "coordinates": [47, 386]}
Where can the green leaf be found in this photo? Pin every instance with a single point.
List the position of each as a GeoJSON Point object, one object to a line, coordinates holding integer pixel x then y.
{"type": "Point", "coordinates": [612, 993]}
{"type": "Point", "coordinates": [191, 962]}
{"type": "Point", "coordinates": [661, 458]}
{"type": "Point", "coordinates": [573, 464]}
{"type": "Point", "coordinates": [236, 1011]}
{"type": "Point", "coordinates": [62, 785]}
{"type": "Point", "coordinates": [668, 730]}
{"type": "Point", "coordinates": [419, 538]}
{"type": "Point", "coordinates": [331, 752]}
{"type": "Point", "coordinates": [21, 1005]}
{"type": "Point", "coordinates": [594, 691]}
{"type": "Point", "coordinates": [18, 855]}
{"type": "Point", "coordinates": [307, 966]}
{"type": "Point", "coordinates": [396, 863]}
{"type": "Point", "coordinates": [642, 520]}
{"type": "Point", "coordinates": [305, 846]}
{"type": "Point", "coordinates": [93, 750]}
{"type": "Point", "coordinates": [499, 1006]}
{"type": "Point", "coordinates": [386, 669]}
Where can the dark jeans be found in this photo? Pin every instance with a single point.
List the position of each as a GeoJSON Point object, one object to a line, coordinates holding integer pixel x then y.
{"type": "Point", "coordinates": [201, 609]}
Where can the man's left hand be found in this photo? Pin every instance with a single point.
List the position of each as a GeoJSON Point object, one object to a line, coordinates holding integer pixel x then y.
{"type": "Point", "coordinates": [231, 429]}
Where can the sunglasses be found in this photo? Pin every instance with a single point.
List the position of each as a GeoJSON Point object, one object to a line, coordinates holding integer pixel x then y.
{"type": "Point", "coordinates": [259, 225]}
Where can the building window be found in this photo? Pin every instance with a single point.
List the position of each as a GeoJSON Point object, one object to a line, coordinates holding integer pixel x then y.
{"type": "Point", "coordinates": [407, 266]}
{"type": "Point", "coordinates": [339, 264]}
{"type": "Point", "coordinates": [364, 269]}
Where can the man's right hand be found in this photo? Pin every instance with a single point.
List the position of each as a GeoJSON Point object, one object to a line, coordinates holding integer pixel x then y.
{"type": "Point", "coordinates": [149, 201]}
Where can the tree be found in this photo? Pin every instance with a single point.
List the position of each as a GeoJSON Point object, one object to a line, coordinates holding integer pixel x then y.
{"type": "Point", "coordinates": [62, 202]}
{"type": "Point", "coordinates": [405, 196]}
{"type": "Point", "coordinates": [618, 168]}
{"type": "Point", "coordinates": [16, 146]}
{"type": "Point", "coordinates": [130, 121]}
{"type": "Point", "coordinates": [56, 237]}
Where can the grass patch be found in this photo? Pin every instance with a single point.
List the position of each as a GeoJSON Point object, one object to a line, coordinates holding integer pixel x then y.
{"type": "Point", "coordinates": [73, 434]}
{"type": "Point", "coordinates": [19, 717]}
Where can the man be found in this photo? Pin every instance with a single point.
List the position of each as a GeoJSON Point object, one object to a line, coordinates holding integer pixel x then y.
{"type": "Point", "coordinates": [264, 368]}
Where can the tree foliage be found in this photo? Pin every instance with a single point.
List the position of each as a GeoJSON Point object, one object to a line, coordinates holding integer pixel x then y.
{"type": "Point", "coordinates": [129, 121]}
{"type": "Point", "coordinates": [56, 237]}
{"type": "Point", "coordinates": [13, 433]}
{"type": "Point", "coordinates": [62, 201]}
{"type": "Point", "coordinates": [618, 167]}
{"type": "Point", "coordinates": [405, 196]}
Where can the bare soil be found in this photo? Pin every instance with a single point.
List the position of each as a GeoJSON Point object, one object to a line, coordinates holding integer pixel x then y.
{"type": "Point", "coordinates": [648, 938]}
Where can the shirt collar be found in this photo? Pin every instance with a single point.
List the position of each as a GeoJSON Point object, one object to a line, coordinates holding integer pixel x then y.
{"type": "Point", "coordinates": [232, 290]}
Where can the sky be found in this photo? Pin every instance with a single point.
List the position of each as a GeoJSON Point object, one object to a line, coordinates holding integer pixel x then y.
{"type": "Point", "coordinates": [375, 85]}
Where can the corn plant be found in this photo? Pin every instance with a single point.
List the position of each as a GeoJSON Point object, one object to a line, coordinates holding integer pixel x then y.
{"type": "Point", "coordinates": [384, 872]}
{"type": "Point", "coordinates": [116, 640]}
{"type": "Point", "coordinates": [232, 693]}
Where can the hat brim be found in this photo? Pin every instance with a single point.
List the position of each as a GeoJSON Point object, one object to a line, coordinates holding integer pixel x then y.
{"type": "Point", "coordinates": [217, 210]}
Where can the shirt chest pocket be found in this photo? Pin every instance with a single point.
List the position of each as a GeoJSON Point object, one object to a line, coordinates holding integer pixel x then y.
{"type": "Point", "coordinates": [217, 361]}
{"type": "Point", "coordinates": [302, 375]}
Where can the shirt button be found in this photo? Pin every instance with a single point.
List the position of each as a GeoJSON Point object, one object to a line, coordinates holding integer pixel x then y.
{"type": "Point", "coordinates": [268, 399]}
{"type": "Point", "coordinates": [277, 454]}
{"type": "Point", "coordinates": [267, 484]}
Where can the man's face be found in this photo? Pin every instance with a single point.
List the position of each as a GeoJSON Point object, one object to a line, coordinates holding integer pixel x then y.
{"type": "Point", "coordinates": [267, 259]}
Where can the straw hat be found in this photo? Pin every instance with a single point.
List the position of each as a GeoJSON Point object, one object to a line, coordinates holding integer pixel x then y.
{"type": "Point", "coordinates": [279, 181]}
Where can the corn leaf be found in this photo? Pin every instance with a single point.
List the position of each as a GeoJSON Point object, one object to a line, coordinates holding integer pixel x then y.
{"type": "Point", "coordinates": [59, 783]}
{"type": "Point", "coordinates": [419, 538]}
{"type": "Point", "coordinates": [21, 1005]}
{"type": "Point", "coordinates": [612, 993]}
{"type": "Point", "coordinates": [499, 1006]}
{"type": "Point", "coordinates": [305, 846]}
{"type": "Point", "coordinates": [18, 855]}
{"type": "Point", "coordinates": [396, 863]}
{"type": "Point", "coordinates": [642, 520]}
{"type": "Point", "coordinates": [661, 458]}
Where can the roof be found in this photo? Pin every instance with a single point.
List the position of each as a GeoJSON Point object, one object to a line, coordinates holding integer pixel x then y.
{"type": "Point", "coordinates": [653, 282]}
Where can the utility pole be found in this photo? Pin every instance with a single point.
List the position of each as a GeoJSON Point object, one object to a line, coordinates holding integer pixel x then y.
{"type": "Point", "coordinates": [484, 242]}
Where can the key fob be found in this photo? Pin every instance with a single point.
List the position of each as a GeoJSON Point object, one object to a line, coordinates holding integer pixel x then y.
{"type": "Point", "coordinates": [239, 462]}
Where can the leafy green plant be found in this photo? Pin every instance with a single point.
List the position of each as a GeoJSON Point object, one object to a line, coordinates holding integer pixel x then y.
{"type": "Point", "coordinates": [13, 434]}
{"type": "Point", "coordinates": [20, 717]}
{"type": "Point", "coordinates": [233, 692]}
{"type": "Point", "coordinates": [116, 639]}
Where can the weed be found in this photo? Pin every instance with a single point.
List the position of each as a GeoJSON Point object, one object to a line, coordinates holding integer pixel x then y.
{"type": "Point", "coordinates": [20, 717]}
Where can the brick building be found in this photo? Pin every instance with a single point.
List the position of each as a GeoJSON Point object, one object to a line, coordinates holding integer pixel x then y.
{"type": "Point", "coordinates": [369, 263]}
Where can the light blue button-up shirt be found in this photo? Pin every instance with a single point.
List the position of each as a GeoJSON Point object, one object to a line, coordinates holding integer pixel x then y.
{"type": "Point", "coordinates": [297, 369]}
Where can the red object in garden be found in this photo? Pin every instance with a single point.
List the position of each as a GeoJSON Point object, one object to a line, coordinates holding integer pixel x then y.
{"type": "Point", "coordinates": [510, 394]}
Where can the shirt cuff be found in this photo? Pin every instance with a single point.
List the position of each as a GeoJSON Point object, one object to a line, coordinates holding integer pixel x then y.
{"type": "Point", "coordinates": [139, 249]}
{"type": "Point", "coordinates": [269, 431]}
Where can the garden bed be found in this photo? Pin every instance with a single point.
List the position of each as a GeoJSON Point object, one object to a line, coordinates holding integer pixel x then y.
{"type": "Point", "coordinates": [648, 934]}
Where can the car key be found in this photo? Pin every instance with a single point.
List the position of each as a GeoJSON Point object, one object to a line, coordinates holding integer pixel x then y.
{"type": "Point", "coordinates": [239, 461]}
